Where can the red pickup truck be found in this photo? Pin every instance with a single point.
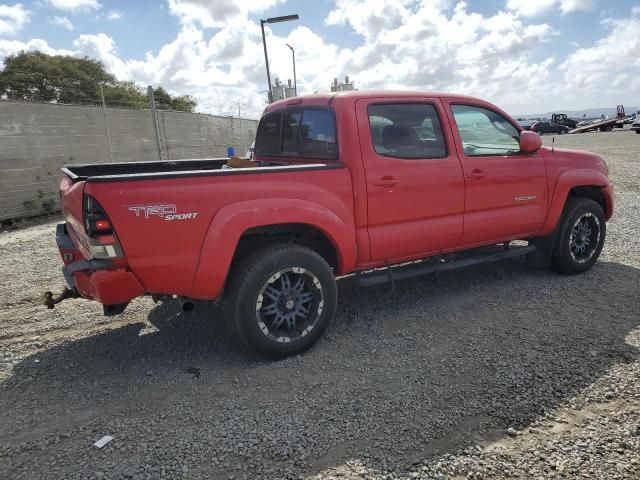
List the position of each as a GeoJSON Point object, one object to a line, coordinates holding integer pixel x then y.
{"type": "Point", "coordinates": [386, 185]}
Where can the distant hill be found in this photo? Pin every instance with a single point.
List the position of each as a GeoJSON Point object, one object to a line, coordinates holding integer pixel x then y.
{"type": "Point", "coordinates": [588, 113]}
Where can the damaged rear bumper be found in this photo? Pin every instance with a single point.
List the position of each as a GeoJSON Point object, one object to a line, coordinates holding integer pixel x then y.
{"type": "Point", "coordinates": [95, 279]}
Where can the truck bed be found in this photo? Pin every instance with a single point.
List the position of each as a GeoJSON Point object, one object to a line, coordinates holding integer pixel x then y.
{"type": "Point", "coordinates": [108, 172]}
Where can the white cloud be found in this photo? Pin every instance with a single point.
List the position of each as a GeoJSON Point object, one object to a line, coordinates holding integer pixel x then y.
{"type": "Point", "coordinates": [63, 22]}
{"type": "Point", "coordinates": [75, 6]}
{"type": "Point", "coordinates": [11, 47]}
{"type": "Point", "coordinates": [569, 6]}
{"type": "Point", "coordinates": [530, 8]}
{"type": "Point", "coordinates": [102, 47]}
{"type": "Point", "coordinates": [13, 18]}
{"type": "Point", "coordinates": [216, 13]}
{"type": "Point", "coordinates": [428, 45]}
{"type": "Point", "coordinates": [610, 68]}
{"type": "Point", "coordinates": [114, 15]}
{"type": "Point", "coordinates": [406, 44]}
{"type": "Point", "coordinates": [368, 18]}
{"type": "Point", "coordinates": [431, 46]}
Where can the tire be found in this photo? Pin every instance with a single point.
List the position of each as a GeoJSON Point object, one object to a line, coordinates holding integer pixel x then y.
{"type": "Point", "coordinates": [269, 293]}
{"type": "Point", "coordinates": [638, 131]}
{"type": "Point", "coordinates": [581, 236]}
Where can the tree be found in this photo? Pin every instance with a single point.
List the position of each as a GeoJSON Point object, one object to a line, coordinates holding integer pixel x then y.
{"type": "Point", "coordinates": [66, 79]}
{"type": "Point", "coordinates": [36, 76]}
{"type": "Point", "coordinates": [164, 101]}
{"type": "Point", "coordinates": [125, 93]}
{"type": "Point", "coordinates": [184, 103]}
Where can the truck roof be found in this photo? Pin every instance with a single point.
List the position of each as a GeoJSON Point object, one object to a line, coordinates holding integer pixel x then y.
{"type": "Point", "coordinates": [328, 98]}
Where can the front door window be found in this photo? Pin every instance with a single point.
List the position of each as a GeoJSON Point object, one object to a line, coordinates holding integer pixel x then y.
{"type": "Point", "coordinates": [484, 132]}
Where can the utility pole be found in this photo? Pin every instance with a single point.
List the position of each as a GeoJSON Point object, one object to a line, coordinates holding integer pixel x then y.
{"type": "Point", "coordinates": [285, 18]}
{"type": "Point", "coordinates": [295, 81]}
{"type": "Point", "coordinates": [266, 58]}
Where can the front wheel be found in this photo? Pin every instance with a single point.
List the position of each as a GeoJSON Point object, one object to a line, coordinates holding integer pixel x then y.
{"type": "Point", "coordinates": [581, 236]}
{"type": "Point", "coordinates": [280, 299]}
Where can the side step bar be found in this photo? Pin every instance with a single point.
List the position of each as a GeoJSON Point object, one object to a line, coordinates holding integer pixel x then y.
{"type": "Point", "coordinates": [389, 274]}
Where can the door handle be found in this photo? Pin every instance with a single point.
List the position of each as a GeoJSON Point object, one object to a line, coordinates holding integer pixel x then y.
{"type": "Point", "coordinates": [387, 181]}
{"type": "Point", "coordinates": [477, 174]}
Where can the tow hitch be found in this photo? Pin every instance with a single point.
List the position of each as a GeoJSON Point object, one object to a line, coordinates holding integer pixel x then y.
{"type": "Point", "coordinates": [50, 302]}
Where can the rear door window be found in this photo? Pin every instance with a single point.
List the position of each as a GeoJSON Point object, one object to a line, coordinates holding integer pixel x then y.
{"type": "Point", "coordinates": [306, 133]}
{"type": "Point", "coordinates": [406, 130]}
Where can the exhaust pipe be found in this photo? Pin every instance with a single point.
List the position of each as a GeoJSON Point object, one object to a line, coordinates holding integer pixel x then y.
{"type": "Point", "coordinates": [186, 305]}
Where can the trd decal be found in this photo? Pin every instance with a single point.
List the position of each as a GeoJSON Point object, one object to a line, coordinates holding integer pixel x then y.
{"type": "Point", "coordinates": [166, 211]}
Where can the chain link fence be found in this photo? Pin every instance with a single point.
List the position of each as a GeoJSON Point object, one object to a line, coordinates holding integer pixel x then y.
{"type": "Point", "coordinates": [37, 138]}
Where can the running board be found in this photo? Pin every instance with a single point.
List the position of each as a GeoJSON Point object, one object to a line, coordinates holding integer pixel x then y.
{"type": "Point", "coordinates": [390, 275]}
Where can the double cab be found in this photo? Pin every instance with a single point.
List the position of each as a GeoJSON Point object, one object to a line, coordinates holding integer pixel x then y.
{"type": "Point", "coordinates": [354, 182]}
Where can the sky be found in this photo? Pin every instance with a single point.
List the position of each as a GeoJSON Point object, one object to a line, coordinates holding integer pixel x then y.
{"type": "Point", "coordinates": [527, 56]}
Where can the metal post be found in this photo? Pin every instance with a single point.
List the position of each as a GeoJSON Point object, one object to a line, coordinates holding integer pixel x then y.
{"type": "Point", "coordinates": [240, 146]}
{"type": "Point", "coordinates": [295, 81]}
{"type": "Point", "coordinates": [266, 59]}
{"type": "Point", "coordinates": [154, 115]}
{"type": "Point", "coordinates": [106, 122]}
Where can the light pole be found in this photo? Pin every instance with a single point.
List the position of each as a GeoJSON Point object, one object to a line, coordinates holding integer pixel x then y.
{"type": "Point", "coordinates": [295, 82]}
{"type": "Point", "coordinates": [286, 18]}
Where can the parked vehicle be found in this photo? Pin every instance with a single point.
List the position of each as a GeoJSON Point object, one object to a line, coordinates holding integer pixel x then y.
{"type": "Point", "coordinates": [563, 119]}
{"type": "Point", "coordinates": [604, 124]}
{"type": "Point", "coordinates": [542, 127]}
{"type": "Point", "coordinates": [341, 184]}
{"type": "Point", "coordinates": [525, 123]}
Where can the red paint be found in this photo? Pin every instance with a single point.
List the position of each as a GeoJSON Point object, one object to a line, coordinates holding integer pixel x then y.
{"type": "Point", "coordinates": [530, 142]}
{"type": "Point", "coordinates": [374, 211]}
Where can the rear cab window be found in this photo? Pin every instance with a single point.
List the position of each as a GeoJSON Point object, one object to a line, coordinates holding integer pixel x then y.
{"type": "Point", "coordinates": [299, 132]}
{"type": "Point", "coordinates": [406, 131]}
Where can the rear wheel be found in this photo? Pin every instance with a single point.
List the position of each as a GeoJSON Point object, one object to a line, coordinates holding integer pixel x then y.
{"type": "Point", "coordinates": [581, 236]}
{"type": "Point", "coordinates": [280, 299]}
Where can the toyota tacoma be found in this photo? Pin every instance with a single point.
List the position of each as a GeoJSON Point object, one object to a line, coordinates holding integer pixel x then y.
{"type": "Point", "coordinates": [384, 185]}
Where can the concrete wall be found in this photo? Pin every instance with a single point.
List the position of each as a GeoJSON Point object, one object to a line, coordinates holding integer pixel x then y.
{"type": "Point", "coordinates": [37, 139]}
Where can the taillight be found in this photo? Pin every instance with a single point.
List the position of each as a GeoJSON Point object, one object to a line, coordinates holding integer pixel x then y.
{"type": "Point", "coordinates": [103, 242]}
{"type": "Point", "coordinates": [95, 218]}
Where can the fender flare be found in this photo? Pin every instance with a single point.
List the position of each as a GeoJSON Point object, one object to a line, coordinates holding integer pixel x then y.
{"type": "Point", "coordinates": [232, 221]}
{"type": "Point", "coordinates": [571, 179]}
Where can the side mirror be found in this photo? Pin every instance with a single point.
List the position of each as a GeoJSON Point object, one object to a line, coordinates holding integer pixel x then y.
{"type": "Point", "coordinates": [530, 142]}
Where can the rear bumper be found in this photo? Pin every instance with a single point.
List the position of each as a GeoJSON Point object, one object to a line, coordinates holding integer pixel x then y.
{"type": "Point", "coordinates": [95, 279]}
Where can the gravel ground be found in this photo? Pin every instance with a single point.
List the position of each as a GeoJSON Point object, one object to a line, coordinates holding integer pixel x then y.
{"type": "Point", "coordinates": [493, 372]}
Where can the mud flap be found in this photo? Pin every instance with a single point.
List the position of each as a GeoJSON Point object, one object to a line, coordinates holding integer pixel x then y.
{"type": "Point", "coordinates": [112, 310]}
{"type": "Point", "coordinates": [540, 259]}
